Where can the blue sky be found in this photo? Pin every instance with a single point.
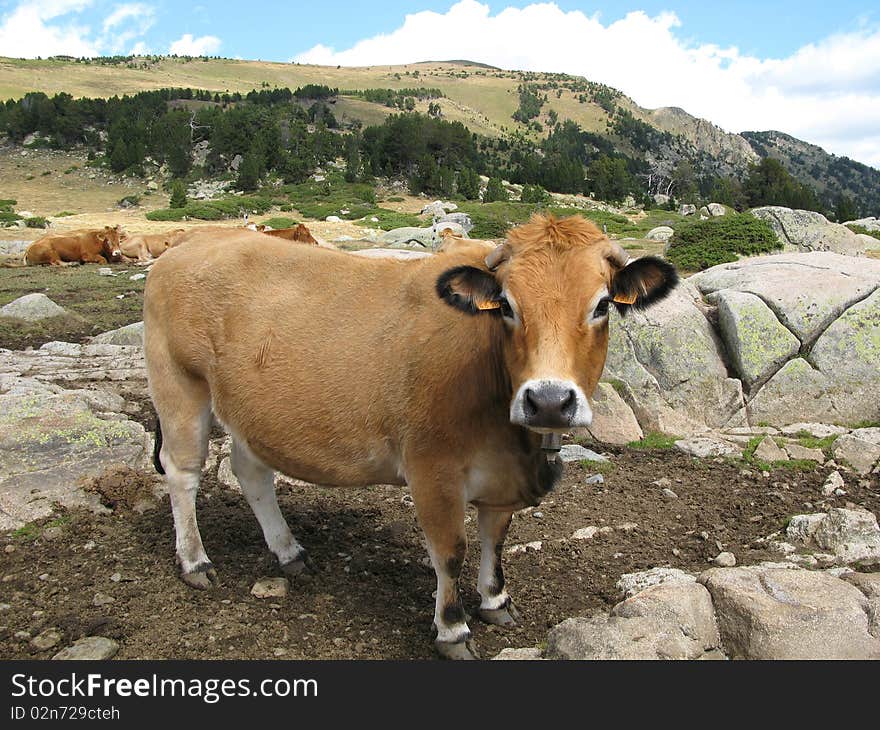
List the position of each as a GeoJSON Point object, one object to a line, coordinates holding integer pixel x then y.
{"type": "Point", "coordinates": [808, 68]}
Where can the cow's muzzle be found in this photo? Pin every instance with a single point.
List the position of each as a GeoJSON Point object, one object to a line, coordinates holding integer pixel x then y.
{"type": "Point", "coordinates": [550, 405]}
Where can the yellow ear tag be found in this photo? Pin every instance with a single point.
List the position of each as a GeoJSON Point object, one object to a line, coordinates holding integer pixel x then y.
{"type": "Point", "coordinates": [625, 298]}
{"type": "Point", "coordinates": [489, 305]}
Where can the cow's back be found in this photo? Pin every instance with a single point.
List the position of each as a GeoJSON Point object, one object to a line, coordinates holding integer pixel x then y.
{"type": "Point", "coordinates": [298, 343]}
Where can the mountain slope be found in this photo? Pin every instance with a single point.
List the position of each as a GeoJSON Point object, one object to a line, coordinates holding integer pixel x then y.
{"type": "Point", "coordinates": [483, 98]}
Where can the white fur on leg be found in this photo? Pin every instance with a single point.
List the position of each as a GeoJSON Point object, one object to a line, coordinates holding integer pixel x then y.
{"type": "Point", "coordinates": [258, 486]}
{"type": "Point", "coordinates": [182, 487]}
{"type": "Point", "coordinates": [490, 523]}
{"type": "Point", "coordinates": [452, 633]}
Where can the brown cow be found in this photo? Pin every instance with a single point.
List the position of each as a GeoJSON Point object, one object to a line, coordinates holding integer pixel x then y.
{"type": "Point", "coordinates": [452, 374]}
{"type": "Point", "coordinates": [298, 233]}
{"type": "Point", "coordinates": [91, 246]}
{"type": "Point", "coordinates": [144, 247]}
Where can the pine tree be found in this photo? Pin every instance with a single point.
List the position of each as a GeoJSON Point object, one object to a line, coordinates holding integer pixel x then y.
{"type": "Point", "coordinates": [178, 195]}
{"type": "Point", "coordinates": [495, 191]}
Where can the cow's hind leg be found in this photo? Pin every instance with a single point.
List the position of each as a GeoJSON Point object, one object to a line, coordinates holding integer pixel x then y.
{"type": "Point", "coordinates": [258, 485]}
{"type": "Point", "coordinates": [440, 509]}
{"type": "Point", "coordinates": [495, 604]}
{"type": "Point", "coordinates": [184, 408]}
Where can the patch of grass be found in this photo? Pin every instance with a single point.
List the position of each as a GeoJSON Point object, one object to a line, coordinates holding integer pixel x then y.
{"type": "Point", "coordinates": [64, 214]}
{"type": "Point", "coordinates": [618, 385]}
{"type": "Point", "coordinates": [866, 231]}
{"type": "Point", "coordinates": [280, 222]}
{"type": "Point", "coordinates": [391, 219]}
{"type": "Point", "coordinates": [7, 203]}
{"type": "Point", "coordinates": [491, 220]}
{"type": "Point", "coordinates": [866, 424]}
{"type": "Point", "coordinates": [36, 222]}
{"type": "Point", "coordinates": [699, 245]}
{"type": "Point", "coordinates": [72, 168]}
{"type": "Point", "coordinates": [395, 199]}
{"type": "Point", "coordinates": [654, 440]}
{"type": "Point", "coordinates": [8, 217]}
{"type": "Point", "coordinates": [213, 210]}
{"type": "Point", "coordinates": [598, 467]}
{"type": "Point", "coordinates": [32, 530]}
{"type": "Point", "coordinates": [811, 442]}
{"type": "Point", "coordinates": [332, 196]}
{"type": "Point", "coordinates": [89, 298]}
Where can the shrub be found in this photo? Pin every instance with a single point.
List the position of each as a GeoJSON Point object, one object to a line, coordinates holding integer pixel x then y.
{"type": "Point", "coordinates": [129, 201]}
{"type": "Point", "coordinates": [7, 217]}
{"type": "Point", "coordinates": [7, 204]}
{"type": "Point", "coordinates": [178, 195]}
{"type": "Point", "coordinates": [861, 229]}
{"type": "Point", "coordinates": [213, 210]}
{"type": "Point", "coordinates": [280, 222]}
{"type": "Point", "coordinates": [495, 191]}
{"type": "Point", "coordinates": [390, 219]}
{"type": "Point", "coordinates": [533, 194]}
{"type": "Point", "coordinates": [37, 222]}
{"type": "Point", "coordinates": [701, 244]}
{"type": "Point", "coordinates": [491, 220]}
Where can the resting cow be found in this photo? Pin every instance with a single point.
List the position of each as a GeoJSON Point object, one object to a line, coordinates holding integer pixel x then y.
{"type": "Point", "coordinates": [94, 246]}
{"type": "Point", "coordinates": [144, 247]}
{"type": "Point", "coordinates": [452, 374]}
{"type": "Point", "coordinates": [297, 233]}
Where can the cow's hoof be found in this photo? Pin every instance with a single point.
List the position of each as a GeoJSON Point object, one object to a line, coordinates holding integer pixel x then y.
{"type": "Point", "coordinates": [203, 577]}
{"type": "Point", "coordinates": [300, 568]}
{"type": "Point", "coordinates": [503, 616]}
{"type": "Point", "coordinates": [457, 650]}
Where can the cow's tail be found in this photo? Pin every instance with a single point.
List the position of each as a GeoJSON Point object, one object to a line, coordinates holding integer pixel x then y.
{"type": "Point", "coordinates": [157, 447]}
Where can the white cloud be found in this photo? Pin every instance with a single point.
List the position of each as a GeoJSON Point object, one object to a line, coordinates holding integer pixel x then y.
{"type": "Point", "coordinates": [827, 92]}
{"type": "Point", "coordinates": [186, 45]}
{"type": "Point", "coordinates": [50, 27]}
{"type": "Point", "coordinates": [27, 33]}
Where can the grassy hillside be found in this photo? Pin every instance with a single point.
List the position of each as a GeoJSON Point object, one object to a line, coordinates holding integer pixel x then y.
{"type": "Point", "coordinates": [481, 97]}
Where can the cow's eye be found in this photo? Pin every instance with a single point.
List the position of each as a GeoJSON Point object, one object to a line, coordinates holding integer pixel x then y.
{"type": "Point", "coordinates": [506, 309]}
{"type": "Point", "coordinates": [601, 310]}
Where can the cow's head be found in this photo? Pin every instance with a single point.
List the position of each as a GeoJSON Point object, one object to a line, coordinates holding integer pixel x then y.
{"type": "Point", "coordinates": [304, 235]}
{"type": "Point", "coordinates": [110, 238]}
{"type": "Point", "coordinates": [552, 284]}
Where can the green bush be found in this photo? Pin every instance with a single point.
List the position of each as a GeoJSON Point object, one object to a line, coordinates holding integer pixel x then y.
{"type": "Point", "coordinates": [129, 200]}
{"type": "Point", "coordinates": [332, 197]}
{"type": "Point", "coordinates": [213, 210]}
{"type": "Point", "coordinates": [866, 231]}
{"type": "Point", "coordinates": [702, 244]}
{"type": "Point", "coordinates": [390, 219]}
{"type": "Point", "coordinates": [7, 217]}
{"type": "Point", "coordinates": [491, 220]}
{"type": "Point", "coordinates": [37, 222]}
{"type": "Point", "coordinates": [280, 222]}
{"type": "Point", "coordinates": [495, 191]}
{"type": "Point", "coordinates": [533, 194]}
{"type": "Point", "coordinates": [178, 195]}
{"type": "Point", "coordinates": [7, 204]}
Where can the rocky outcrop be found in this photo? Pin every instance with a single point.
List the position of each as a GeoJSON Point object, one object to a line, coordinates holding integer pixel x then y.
{"type": "Point", "coordinates": [32, 308]}
{"type": "Point", "coordinates": [805, 230]}
{"type": "Point", "coordinates": [131, 335]}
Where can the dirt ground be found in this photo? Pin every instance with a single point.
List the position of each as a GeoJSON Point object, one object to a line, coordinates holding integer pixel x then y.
{"type": "Point", "coordinates": [370, 595]}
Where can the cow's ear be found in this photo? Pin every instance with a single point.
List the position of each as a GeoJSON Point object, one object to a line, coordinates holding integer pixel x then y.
{"type": "Point", "coordinates": [469, 289]}
{"type": "Point", "coordinates": [642, 282]}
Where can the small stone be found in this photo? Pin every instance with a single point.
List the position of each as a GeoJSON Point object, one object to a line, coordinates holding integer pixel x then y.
{"type": "Point", "coordinates": [725, 560]}
{"type": "Point", "coordinates": [278, 651]}
{"type": "Point", "coordinates": [669, 494]}
{"type": "Point", "coordinates": [529, 546]}
{"type": "Point", "coordinates": [802, 453]}
{"type": "Point", "coordinates": [664, 482]}
{"type": "Point", "coordinates": [53, 533]}
{"type": "Point", "coordinates": [46, 639]}
{"type": "Point", "coordinates": [43, 576]}
{"type": "Point", "coordinates": [270, 588]}
{"type": "Point", "coordinates": [832, 483]}
{"type": "Point", "coordinates": [102, 599]}
{"type": "Point", "coordinates": [525, 654]}
{"type": "Point", "coordinates": [585, 533]}
{"type": "Point", "coordinates": [90, 545]}
{"type": "Point", "coordinates": [89, 648]}
{"type": "Point", "coordinates": [9, 549]}
{"type": "Point", "coordinates": [538, 515]}
{"type": "Point", "coordinates": [627, 526]}
{"type": "Point", "coordinates": [595, 479]}
{"type": "Point", "coordinates": [839, 492]}
{"type": "Point", "coordinates": [22, 635]}
{"type": "Point", "coordinates": [574, 452]}
{"type": "Point", "coordinates": [116, 577]}
{"type": "Point", "coordinates": [768, 451]}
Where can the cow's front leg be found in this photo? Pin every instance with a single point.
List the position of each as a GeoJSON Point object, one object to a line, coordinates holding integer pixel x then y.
{"type": "Point", "coordinates": [495, 604]}
{"type": "Point", "coordinates": [440, 509]}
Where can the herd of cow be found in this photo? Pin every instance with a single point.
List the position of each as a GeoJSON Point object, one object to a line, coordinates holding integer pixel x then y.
{"type": "Point", "coordinates": [111, 244]}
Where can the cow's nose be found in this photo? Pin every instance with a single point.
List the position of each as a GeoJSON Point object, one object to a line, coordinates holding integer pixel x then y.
{"type": "Point", "coordinates": [550, 406]}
